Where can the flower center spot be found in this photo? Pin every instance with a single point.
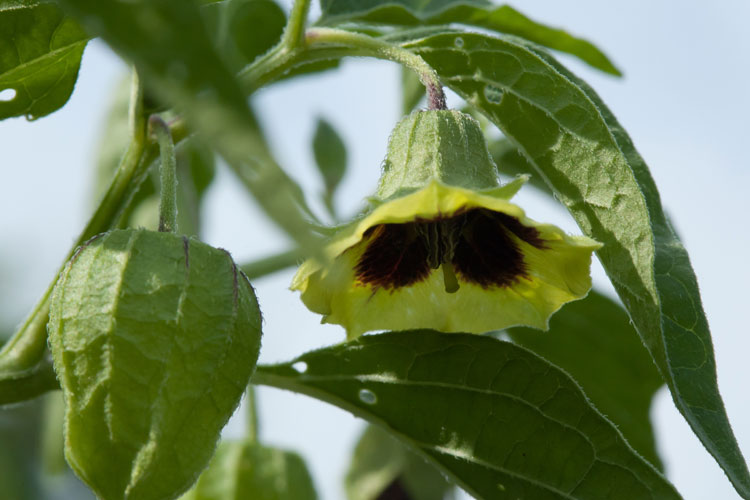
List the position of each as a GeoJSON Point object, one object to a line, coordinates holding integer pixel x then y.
{"type": "Point", "coordinates": [476, 246]}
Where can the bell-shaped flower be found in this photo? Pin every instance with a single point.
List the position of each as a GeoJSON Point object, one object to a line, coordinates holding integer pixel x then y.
{"type": "Point", "coordinates": [442, 246]}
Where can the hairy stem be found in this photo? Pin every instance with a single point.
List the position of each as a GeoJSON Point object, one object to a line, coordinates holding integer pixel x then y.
{"type": "Point", "coordinates": [168, 170]}
{"type": "Point", "coordinates": [294, 33]}
{"type": "Point", "coordinates": [251, 413]}
{"type": "Point", "coordinates": [328, 43]}
{"type": "Point", "coordinates": [20, 356]}
{"type": "Point", "coordinates": [381, 49]}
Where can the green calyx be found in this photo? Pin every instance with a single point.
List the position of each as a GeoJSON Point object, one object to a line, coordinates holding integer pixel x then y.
{"type": "Point", "coordinates": [154, 338]}
{"type": "Point", "coordinates": [443, 145]}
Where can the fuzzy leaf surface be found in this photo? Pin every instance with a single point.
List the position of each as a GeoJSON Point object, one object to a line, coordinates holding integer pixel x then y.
{"type": "Point", "coordinates": [453, 399]}
{"type": "Point", "coordinates": [246, 470]}
{"type": "Point", "coordinates": [479, 13]}
{"type": "Point", "coordinates": [592, 340]}
{"type": "Point", "coordinates": [574, 142]}
{"type": "Point", "coordinates": [40, 53]}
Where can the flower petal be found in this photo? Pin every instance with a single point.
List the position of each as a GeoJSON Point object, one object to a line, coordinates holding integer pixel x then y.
{"type": "Point", "coordinates": [555, 270]}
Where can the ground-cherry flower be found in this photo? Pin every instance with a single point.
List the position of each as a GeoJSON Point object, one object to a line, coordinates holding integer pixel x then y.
{"type": "Point", "coordinates": [442, 247]}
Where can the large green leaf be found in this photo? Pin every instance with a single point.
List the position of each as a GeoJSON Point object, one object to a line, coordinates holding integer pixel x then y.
{"type": "Point", "coordinates": [499, 420]}
{"type": "Point", "coordinates": [246, 470]}
{"type": "Point", "coordinates": [40, 53]}
{"type": "Point", "coordinates": [587, 159]}
{"type": "Point", "coordinates": [244, 29]}
{"type": "Point", "coordinates": [382, 467]}
{"type": "Point", "coordinates": [593, 340]}
{"type": "Point", "coordinates": [170, 45]}
{"type": "Point", "coordinates": [480, 13]}
{"type": "Point", "coordinates": [511, 163]}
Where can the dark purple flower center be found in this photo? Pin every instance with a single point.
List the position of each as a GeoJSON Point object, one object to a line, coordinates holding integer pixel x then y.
{"type": "Point", "coordinates": [478, 245]}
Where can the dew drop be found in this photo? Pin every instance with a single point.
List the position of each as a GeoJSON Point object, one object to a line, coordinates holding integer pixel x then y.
{"type": "Point", "coordinates": [367, 396]}
{"type": "Point", "coordinates": [458, 42]}
{"type": "Point", "coordinates": [300, 367]}
{"type": "Point", "coordinates": [7, 95]}
{"type": "Point", "coordinates": [493, 94]}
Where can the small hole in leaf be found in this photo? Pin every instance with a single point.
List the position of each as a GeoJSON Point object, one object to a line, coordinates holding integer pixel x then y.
{"type": "Point", "coordinates": [367, 396]}
{"type": "Point", "coordinates": [7, 95]}
{"type": "Point", "coordinates": [300, 367]}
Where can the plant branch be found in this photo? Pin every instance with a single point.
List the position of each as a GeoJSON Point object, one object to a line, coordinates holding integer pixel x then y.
{"type": "Point", "coordinates": [21, 354]}
{"type": "Point", "coordinates": [294, 33]}
{"type": "Point", "coordinates": [382, 50]}
{"type": "Point", "coordinates": [327, 43]}
{"type": "Point", "coordinates": [168, 171]}
{"type": "Point", "coordinates": [251, 405]}
{"type": "Point", "coordinates": [26, 347]}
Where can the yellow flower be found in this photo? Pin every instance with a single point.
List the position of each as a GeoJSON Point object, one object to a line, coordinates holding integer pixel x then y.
{"type": "Point", "coordinates": [440, 256]}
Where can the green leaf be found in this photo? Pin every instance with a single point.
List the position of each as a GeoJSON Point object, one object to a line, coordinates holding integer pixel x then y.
{"type": "Point", "coordinates": [499, 420]}
{"type": "Point", "coordinates": [479, 13]}
{"type": "Point", "coordinates": [330, 154]}
{"type": "Point", "coordinates": [246, 470]}
{"type": "Point", "coordinates": [40, 53]}
{"type": "Point", "coordinates": [592, 339]}
{"type": "Point", "coordinates": [244, 29]}
{"type": "Point", "coordinates": [587, 159]}
{"type": "Point", "coordinates": [330, 157]}
{"type": "Point", "coordinates": [154, 338]}
{"type": "Point", "coordinates": [381, 464]}
{"type": "Point", "coordinates": [511, 163]}
{"type": "Point", "coordinates": [170, 46]}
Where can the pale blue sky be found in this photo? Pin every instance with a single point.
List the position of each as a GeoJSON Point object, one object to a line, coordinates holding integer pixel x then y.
{"type": "Point", "coordinates": [683, 100]}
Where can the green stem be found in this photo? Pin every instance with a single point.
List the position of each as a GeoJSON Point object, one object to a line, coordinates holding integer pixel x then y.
{"type": "Point", "coordinates": [26, 348]}
{"type": "Point", "coordinates": [252, 413]}
{"type": "Point", "coordinates": [328, 43]}
{"type": "Point", "coordinates": [383, 50]}
{"type": "Point", "coordinates": [295, 27]}
{"type": "Point", "coordinates": [168, 168]}
{"type": "Point", "coordinates": [272, 264]}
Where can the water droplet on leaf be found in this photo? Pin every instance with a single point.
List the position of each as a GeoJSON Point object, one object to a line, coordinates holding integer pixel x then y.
{"type": "Point", "coordinates": [7, 95]}
{"type": "Point", "coordinates": [458, 42]}
{"type": "Point", "coordinates": [493, 94]}
{"type": "Point", "coordinates": [367, 396]}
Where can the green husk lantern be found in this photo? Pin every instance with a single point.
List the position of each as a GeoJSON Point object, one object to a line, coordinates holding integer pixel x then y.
{"type": "Point", "coordinates": [442, 246]}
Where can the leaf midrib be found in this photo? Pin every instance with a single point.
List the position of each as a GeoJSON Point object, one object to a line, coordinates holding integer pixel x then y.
{"type": "Point", "coordinates": [62, 51]}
